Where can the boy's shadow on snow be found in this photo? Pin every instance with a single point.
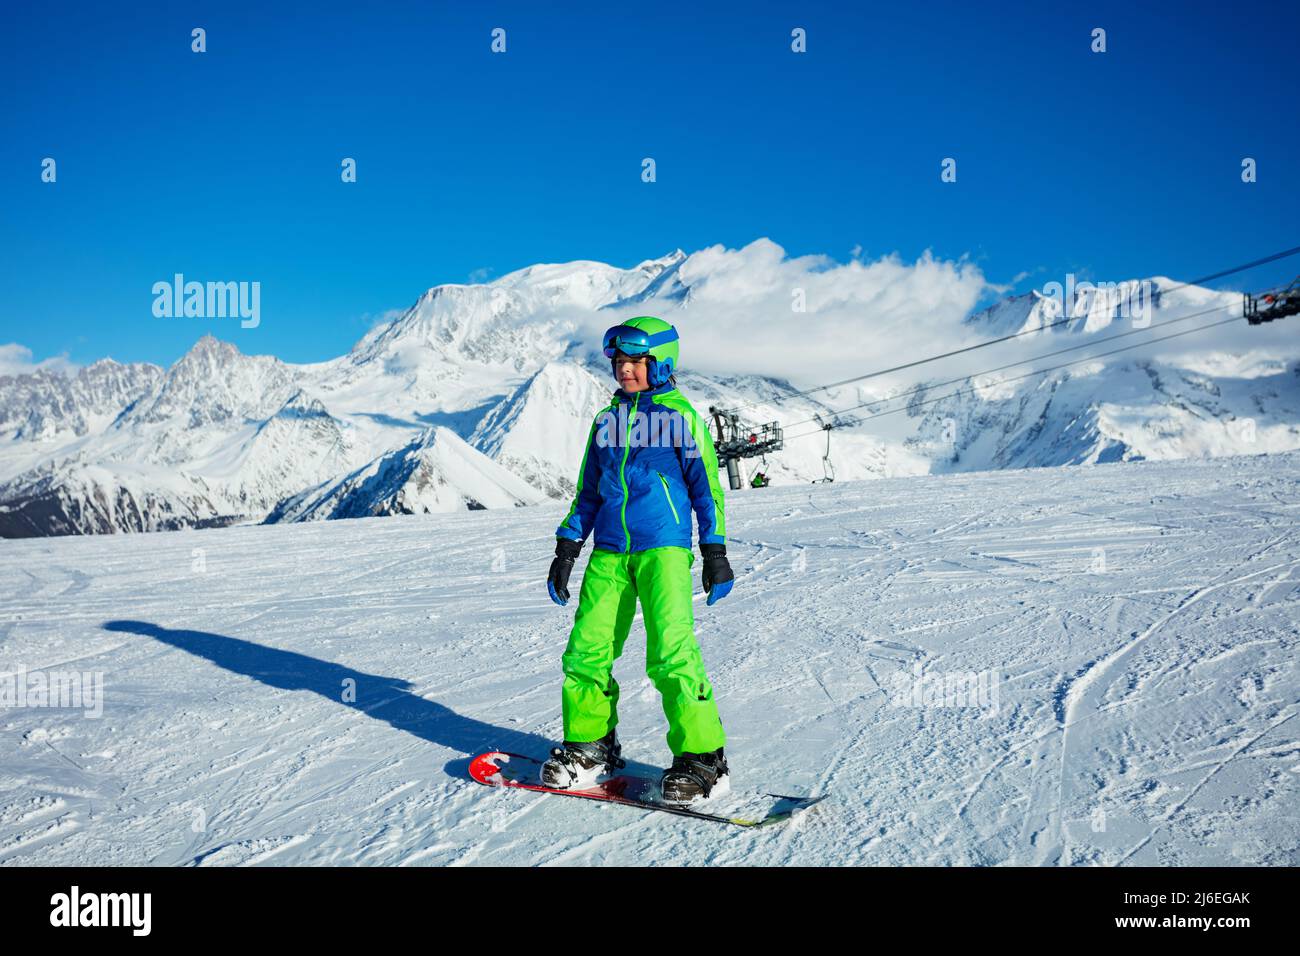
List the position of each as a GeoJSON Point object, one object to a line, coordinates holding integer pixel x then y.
{"type": "Point", "coordinates": [385, 698]}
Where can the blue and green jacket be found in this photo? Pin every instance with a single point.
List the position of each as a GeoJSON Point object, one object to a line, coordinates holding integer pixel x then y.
{"type": "Point", "coordinates": [649, 462]}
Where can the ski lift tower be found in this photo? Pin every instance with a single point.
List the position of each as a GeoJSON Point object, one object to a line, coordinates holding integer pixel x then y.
{"type": "Point", "coordinates": [828, 469]}
{"type": "Point", "coordinates": [736, 440]}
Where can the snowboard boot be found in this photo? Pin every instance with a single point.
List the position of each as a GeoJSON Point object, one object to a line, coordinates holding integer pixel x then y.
{"type": "Point", "coordinates": [695, 777]}
{"type": "Point", "coordinates": [577, 766]}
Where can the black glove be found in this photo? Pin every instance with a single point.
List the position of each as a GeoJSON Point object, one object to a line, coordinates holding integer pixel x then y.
{"type": "Point", "coordinates": [717, 571]}
{"type": "Point", "coordinates": [557, 582]}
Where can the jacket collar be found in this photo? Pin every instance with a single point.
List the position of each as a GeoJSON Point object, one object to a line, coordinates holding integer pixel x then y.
{"type": "Point", "coordinates": [664, 389]}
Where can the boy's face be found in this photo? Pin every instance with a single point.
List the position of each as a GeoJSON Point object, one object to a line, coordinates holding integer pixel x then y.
{"type": "Point", "coordinates": [631, 372]}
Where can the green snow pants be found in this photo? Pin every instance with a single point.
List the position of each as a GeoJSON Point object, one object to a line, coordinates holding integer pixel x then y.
{"type": "Point", "coordinates": [613, 581]}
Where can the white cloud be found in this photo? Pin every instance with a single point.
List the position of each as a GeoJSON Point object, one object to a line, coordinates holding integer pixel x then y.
{"type": "Point", "coordinates": [859, 315]}
{"type": "Point", "coordinates": [865, 316]}
{"type": "Point", "coordinates": [16, 359]}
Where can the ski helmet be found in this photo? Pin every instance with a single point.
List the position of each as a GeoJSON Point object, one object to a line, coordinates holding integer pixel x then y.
{"type": "Point", "coordinates": [646, 334]}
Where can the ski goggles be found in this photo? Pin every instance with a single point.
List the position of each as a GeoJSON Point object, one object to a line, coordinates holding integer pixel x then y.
{"type": "Point", "coordinates": [633, 341]}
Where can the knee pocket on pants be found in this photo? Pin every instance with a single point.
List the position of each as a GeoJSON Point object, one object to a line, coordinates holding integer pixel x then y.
{"type": "Point", "coordinates": [684, 687]}
{"type": "Point", "coordinates": [586, 668]}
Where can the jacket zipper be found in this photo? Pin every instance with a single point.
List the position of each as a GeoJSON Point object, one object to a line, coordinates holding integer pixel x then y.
{"type": "Point", "coordinates": [669, 497]}
{"type": "Point", "coordinates": [622, 471]}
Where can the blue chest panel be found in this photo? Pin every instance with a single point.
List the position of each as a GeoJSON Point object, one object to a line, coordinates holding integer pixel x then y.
{"type": "Point", "coordinates": [644, 499]}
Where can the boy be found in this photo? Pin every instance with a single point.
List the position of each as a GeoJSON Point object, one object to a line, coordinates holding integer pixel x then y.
{"type": "Point", "coordinates": [649, 461]}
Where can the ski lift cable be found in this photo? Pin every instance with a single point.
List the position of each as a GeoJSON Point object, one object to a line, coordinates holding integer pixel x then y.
{"type": "Point", "coordinates": [1042, 328]}
{"type": "Point", "coordinates": [1042, 371]}
{"type": "Point", "coordinates": [1027, 375]}
{"type": "Point", "coordinates": [1019, 377]}
{"type": "Point", "coordinates": [1033, 358]}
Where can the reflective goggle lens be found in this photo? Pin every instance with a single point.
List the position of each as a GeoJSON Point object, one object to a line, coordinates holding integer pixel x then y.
{"type": "Point", "coordinates": [626, 339]}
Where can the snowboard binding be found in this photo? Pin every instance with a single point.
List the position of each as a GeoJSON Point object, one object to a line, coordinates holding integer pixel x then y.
{"type": "Point", "coordinates": [695, 777]}
{"type": "Point", "coordinates": [576, 766]}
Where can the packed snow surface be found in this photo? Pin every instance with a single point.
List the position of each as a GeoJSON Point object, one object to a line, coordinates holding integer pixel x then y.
{"type": "Point", "coordinates": [312, 693]}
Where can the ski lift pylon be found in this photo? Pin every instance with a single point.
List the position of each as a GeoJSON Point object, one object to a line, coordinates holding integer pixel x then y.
{"type": "Point", "coordinates": [828, 469]}
{"type": "Point", "coordinates": [736, 440]}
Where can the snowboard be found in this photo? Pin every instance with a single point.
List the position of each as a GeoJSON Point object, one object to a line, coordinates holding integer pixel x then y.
{"type": "Point", "coordinates": [499, 769]}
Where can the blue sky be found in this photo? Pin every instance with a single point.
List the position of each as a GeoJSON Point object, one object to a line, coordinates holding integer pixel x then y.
{"type": "Point", "coordinates": [225, 165]}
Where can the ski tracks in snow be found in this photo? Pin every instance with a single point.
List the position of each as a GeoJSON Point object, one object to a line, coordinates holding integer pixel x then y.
{"type": "Point", "coordinates": [1124, 690]}
{"type": "Point", "coordinates": [1081, 692]}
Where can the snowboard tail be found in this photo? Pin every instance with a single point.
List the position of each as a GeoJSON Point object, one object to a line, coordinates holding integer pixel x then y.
{"type": "Point", "coordinates": [501, 769]}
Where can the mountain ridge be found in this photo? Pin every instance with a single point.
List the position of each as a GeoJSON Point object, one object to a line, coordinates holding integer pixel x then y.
{"type": "Point", "coordinates": [504, 368]}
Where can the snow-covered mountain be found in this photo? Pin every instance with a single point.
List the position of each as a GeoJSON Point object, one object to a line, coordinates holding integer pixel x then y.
{"type": "Point", "coordinates": [1119, 409]}
{"type": "Point", "coordinates": [224, 437]}
{"type": "Point", "coordinates": [46, 404]}
{"type": "Point", "coordinates": [1122, 412]}
{"type": "Point", "coordinates": [437, 472]}
{"type": "Point", "coordinates": [559, 402]}
{"type": "Point", "coordinates": [481, 395]}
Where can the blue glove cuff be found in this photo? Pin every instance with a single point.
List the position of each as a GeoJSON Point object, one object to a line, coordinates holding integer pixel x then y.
{"type": "Point", "coordinates": [719, 591]}
{"type": "Point", "coordinates": [555, 597]}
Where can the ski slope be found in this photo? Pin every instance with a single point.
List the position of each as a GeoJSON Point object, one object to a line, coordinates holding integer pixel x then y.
{"type": "Point", "coordinates": [1138, 621]}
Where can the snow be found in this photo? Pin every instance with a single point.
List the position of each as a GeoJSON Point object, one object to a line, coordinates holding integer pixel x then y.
{"type": "Point", "coordinates": [423, 478]}
{"type": "Point", "coordinates": [1135, 623]}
